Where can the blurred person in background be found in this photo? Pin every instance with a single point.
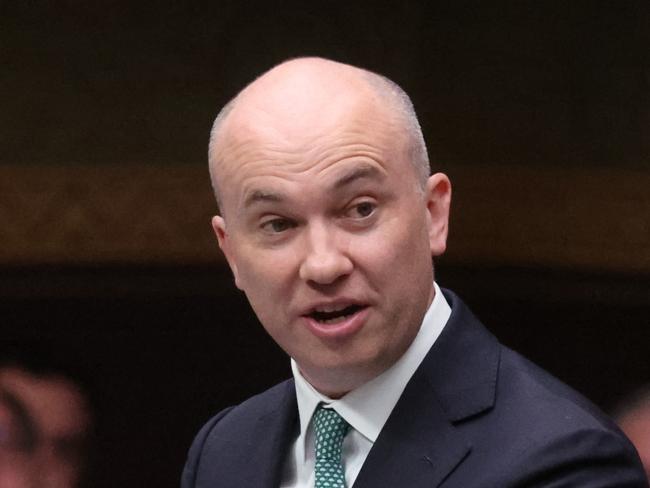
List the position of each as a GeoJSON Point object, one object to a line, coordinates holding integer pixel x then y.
{"type": "Point", "coordinates": [633, 416]}
{"type": "Point", "coordinates": [61, 419]}
{"type": "Point", "coordinates": [17, 444]}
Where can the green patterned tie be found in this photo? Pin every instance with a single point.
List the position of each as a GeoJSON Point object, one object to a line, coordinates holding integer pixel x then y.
{"type": "Point", "coordinates": [330, 430]}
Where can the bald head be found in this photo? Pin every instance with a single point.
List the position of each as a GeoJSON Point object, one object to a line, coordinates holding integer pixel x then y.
{"type": "Point", "coordinates": [298, 98]}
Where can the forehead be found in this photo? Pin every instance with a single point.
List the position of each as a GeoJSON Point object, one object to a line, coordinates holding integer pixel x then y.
{"type": "Point", "coordinates": [316, 140]}
{"type": "Point", "coordinates": [296, 113]}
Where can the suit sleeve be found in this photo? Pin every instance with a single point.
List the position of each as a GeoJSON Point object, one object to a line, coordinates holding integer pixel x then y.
{"type": "Point", "coordinates": [590, 458]}
{"type": "Point", "coordinates": [188, 478]}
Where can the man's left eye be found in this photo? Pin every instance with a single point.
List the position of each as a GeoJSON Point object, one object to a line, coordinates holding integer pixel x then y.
{"type": "Point", "coordinates": [277, 225]}
{"type": "Point", "coordinates": [363, 209]}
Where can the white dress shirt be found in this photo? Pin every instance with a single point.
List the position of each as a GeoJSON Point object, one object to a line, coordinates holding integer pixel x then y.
{"type": "Point", "coordinates": [366, 409]}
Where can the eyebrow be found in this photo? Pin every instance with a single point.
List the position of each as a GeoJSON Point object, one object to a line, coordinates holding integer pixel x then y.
{"type": "Point", "coordinates": [258, 196]}
{"type": "Point", "coordinates": [360, 172]}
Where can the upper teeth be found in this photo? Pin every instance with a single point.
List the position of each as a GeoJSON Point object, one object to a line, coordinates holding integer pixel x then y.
{"type": "Point", "coordinates": [330, 308]}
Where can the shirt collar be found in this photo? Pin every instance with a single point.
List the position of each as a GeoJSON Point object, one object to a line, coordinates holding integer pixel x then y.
{"type": "Point", "coordinates": [368, 407]}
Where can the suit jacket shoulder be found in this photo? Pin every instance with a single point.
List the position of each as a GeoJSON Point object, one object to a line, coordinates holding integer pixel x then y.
{"type": "Point", "coordinates": [240, 445]}
{"type": "Point", "coordinates": [540, 433]}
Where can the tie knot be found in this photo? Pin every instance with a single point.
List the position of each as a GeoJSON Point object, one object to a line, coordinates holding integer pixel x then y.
{"type": "Point", "coordinates": [330, 429]}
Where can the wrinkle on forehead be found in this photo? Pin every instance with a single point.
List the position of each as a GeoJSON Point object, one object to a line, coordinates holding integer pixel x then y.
{"type": "Point", "coordinates": [359, 133]}
{"type": "Point", "coordinates": [320, 158]}
{"type": "Point", "coordinates": [296, 118]}
{"type": "Point", "coordinates": [342, 178]}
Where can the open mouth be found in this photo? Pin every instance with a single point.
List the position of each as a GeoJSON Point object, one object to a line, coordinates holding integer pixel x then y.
{"type": "Point", "coordinates": [334, 316]}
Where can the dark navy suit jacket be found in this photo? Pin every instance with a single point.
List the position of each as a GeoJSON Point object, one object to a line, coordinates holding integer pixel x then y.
{"type": "Point", "coordinates": [474, 414]}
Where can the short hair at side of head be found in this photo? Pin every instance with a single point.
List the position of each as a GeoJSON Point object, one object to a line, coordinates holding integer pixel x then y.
{"type": "Point", "coordinates": [401, 102]}
{"type": "Point", "coordinates": [214, 135]}
{"type": "Point", "coordinates": [387, 89]}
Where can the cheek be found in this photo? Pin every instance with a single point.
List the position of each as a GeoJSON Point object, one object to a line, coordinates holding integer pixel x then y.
{"type": "Point", "coordinates": [398, 266]}
{"type": "Point", "coordinates": [265, 278]}
{"type": "Point", "coordinates": [399, 247]}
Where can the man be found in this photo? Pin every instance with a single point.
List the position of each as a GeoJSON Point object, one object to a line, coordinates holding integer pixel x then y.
{"type": "Point", "coordinates": [329, 221]}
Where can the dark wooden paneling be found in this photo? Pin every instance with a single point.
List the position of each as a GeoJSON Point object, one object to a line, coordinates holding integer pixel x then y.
{"type": "Point", "coordinates": [511, 215]}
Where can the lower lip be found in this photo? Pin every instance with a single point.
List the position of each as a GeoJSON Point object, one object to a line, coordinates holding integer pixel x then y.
{"type": "Point", "coordinates": [338, 330]}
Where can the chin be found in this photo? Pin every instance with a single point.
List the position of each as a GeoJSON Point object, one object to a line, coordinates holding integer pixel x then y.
{"type": "Point", "coordinates": [340, 375]}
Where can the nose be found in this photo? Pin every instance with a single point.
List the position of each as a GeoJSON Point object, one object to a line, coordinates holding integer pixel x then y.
{"type": "Point", "coordinates": [325, 259]}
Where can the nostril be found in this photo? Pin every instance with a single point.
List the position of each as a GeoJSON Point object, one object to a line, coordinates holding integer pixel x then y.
{"type": "Point", "coordinates": [325, 270]}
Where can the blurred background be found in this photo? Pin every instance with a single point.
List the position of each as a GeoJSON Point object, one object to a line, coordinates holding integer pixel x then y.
{"type": "Point", "coordinates": [109, 273]}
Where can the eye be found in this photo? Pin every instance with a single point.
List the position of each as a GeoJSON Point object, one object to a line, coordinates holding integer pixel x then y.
{"type": "Point", "coordinates": [362, 210]}
{"type": "Point", "coordinates": [277, 225]}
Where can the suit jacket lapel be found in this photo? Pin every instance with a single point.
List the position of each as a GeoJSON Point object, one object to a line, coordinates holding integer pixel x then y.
{"type": "Point", "coordinates": [420, 444]}
{"type": "Point", "coordinates": [417, 446]}
{"type": "Point", "coordinates": [272, 436]}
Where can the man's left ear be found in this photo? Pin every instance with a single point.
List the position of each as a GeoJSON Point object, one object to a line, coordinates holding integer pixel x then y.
{"type": "Point", "coordinates": [438, 198]}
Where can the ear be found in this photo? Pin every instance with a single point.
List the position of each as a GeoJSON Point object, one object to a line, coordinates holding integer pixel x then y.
{"type": "Point", "coordinates": [438, 197]}
{"type": "Point", "coordinates": [219, 227]}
